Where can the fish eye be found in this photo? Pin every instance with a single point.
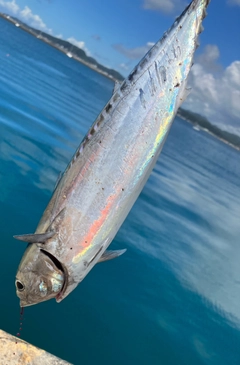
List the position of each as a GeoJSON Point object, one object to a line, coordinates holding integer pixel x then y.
{"type": "Point", "coordinates": [19, 285]}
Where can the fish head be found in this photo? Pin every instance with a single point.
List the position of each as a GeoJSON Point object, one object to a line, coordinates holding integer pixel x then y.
{"type": "Point", "coordinates": [40, 276]}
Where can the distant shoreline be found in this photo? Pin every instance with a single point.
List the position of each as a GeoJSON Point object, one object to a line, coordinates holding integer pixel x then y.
{"type": "Point", "coordinates": [70, 51]}
{"type": "Point", "coordinates": [201, 123]}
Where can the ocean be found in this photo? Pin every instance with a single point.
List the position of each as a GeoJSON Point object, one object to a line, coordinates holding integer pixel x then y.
{"type": "Point", "coordinates": [174, 297]}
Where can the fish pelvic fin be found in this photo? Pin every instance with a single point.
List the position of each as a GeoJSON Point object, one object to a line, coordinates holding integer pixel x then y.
{"type": "Point", "coordinates": [109, 255]}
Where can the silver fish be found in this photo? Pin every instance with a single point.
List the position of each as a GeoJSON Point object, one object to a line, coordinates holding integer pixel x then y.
{"type": "Point", "coordinates": [110, 168]}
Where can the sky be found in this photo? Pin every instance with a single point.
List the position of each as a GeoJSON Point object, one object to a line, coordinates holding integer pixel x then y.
{"type": "Point", "coordinates": [117, 33]}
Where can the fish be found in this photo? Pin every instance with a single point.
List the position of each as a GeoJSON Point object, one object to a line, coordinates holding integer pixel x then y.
{"type": "Point", "coordinates": [109, 169]}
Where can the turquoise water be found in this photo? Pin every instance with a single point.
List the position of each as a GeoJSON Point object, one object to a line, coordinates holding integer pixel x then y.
{"type": "Point", "coordinates": [173, 297]}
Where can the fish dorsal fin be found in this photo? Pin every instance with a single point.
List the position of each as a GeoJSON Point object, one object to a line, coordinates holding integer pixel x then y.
{"type": "Point", "coordinates": [109, 255]}
{"type": "Point", "coordinates": [58, 180]}
{"type": "Point", "coordinates": [35, 237]}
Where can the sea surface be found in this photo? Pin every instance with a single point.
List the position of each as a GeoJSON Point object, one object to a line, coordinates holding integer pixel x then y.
{"type": "Point", "coordinates": [174, 297]}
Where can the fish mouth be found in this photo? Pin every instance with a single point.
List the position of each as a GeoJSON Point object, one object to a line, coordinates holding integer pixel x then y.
{"type": "Point", "coordinates": [26, 304]}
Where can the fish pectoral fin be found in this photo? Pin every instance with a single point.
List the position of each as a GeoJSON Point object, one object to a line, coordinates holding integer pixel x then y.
{"type": "Point", "coordinates": [109, 255]}
{"type": "Point", "coordinates": [43, 237]}
{"type": "Point", "coordinates": [35, 237]}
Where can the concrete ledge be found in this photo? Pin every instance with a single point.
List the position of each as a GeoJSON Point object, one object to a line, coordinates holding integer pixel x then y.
{"type": "Point", "coordinates": [12, 353]}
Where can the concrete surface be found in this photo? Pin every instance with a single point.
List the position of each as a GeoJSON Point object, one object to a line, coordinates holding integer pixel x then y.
{"type": "Point", "coordinates": [14, 351]}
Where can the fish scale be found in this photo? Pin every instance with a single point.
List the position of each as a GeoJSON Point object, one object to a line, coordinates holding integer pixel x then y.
{"type": "Point", "coordinates": [110, 167]}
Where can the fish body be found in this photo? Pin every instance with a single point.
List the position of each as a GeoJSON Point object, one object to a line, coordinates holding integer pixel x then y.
{"type": "Point", "coordinates": [110, 167]}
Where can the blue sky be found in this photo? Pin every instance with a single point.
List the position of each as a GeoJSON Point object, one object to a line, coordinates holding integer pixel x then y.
{"type": "Point", "coordinates": [119, 32]}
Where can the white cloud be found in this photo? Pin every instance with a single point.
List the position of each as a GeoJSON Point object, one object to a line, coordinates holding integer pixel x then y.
{"type": "Point", "coordinates": [124, 67]}
{"type": "Point", "coordinates": [209, 58]}
{"type": "Point", "coordinates": [133, 53]}
{"type": "Point", "coordinates": [234, 2]}
{"type": "Point", "coordinates": [10, 6]}
{"type": "Point", "coordinates": [211, 54]}
{"type": "Point", "coordinates": [215, 93]}
{"type": "Point", "coordinates": [26, 15]}
{"type": "Point", "coordinates": [33, 19]}
{"type": "Point", "coordinates": [166, 6]}
{"type": "Point", "coordinates": [79, 44]}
